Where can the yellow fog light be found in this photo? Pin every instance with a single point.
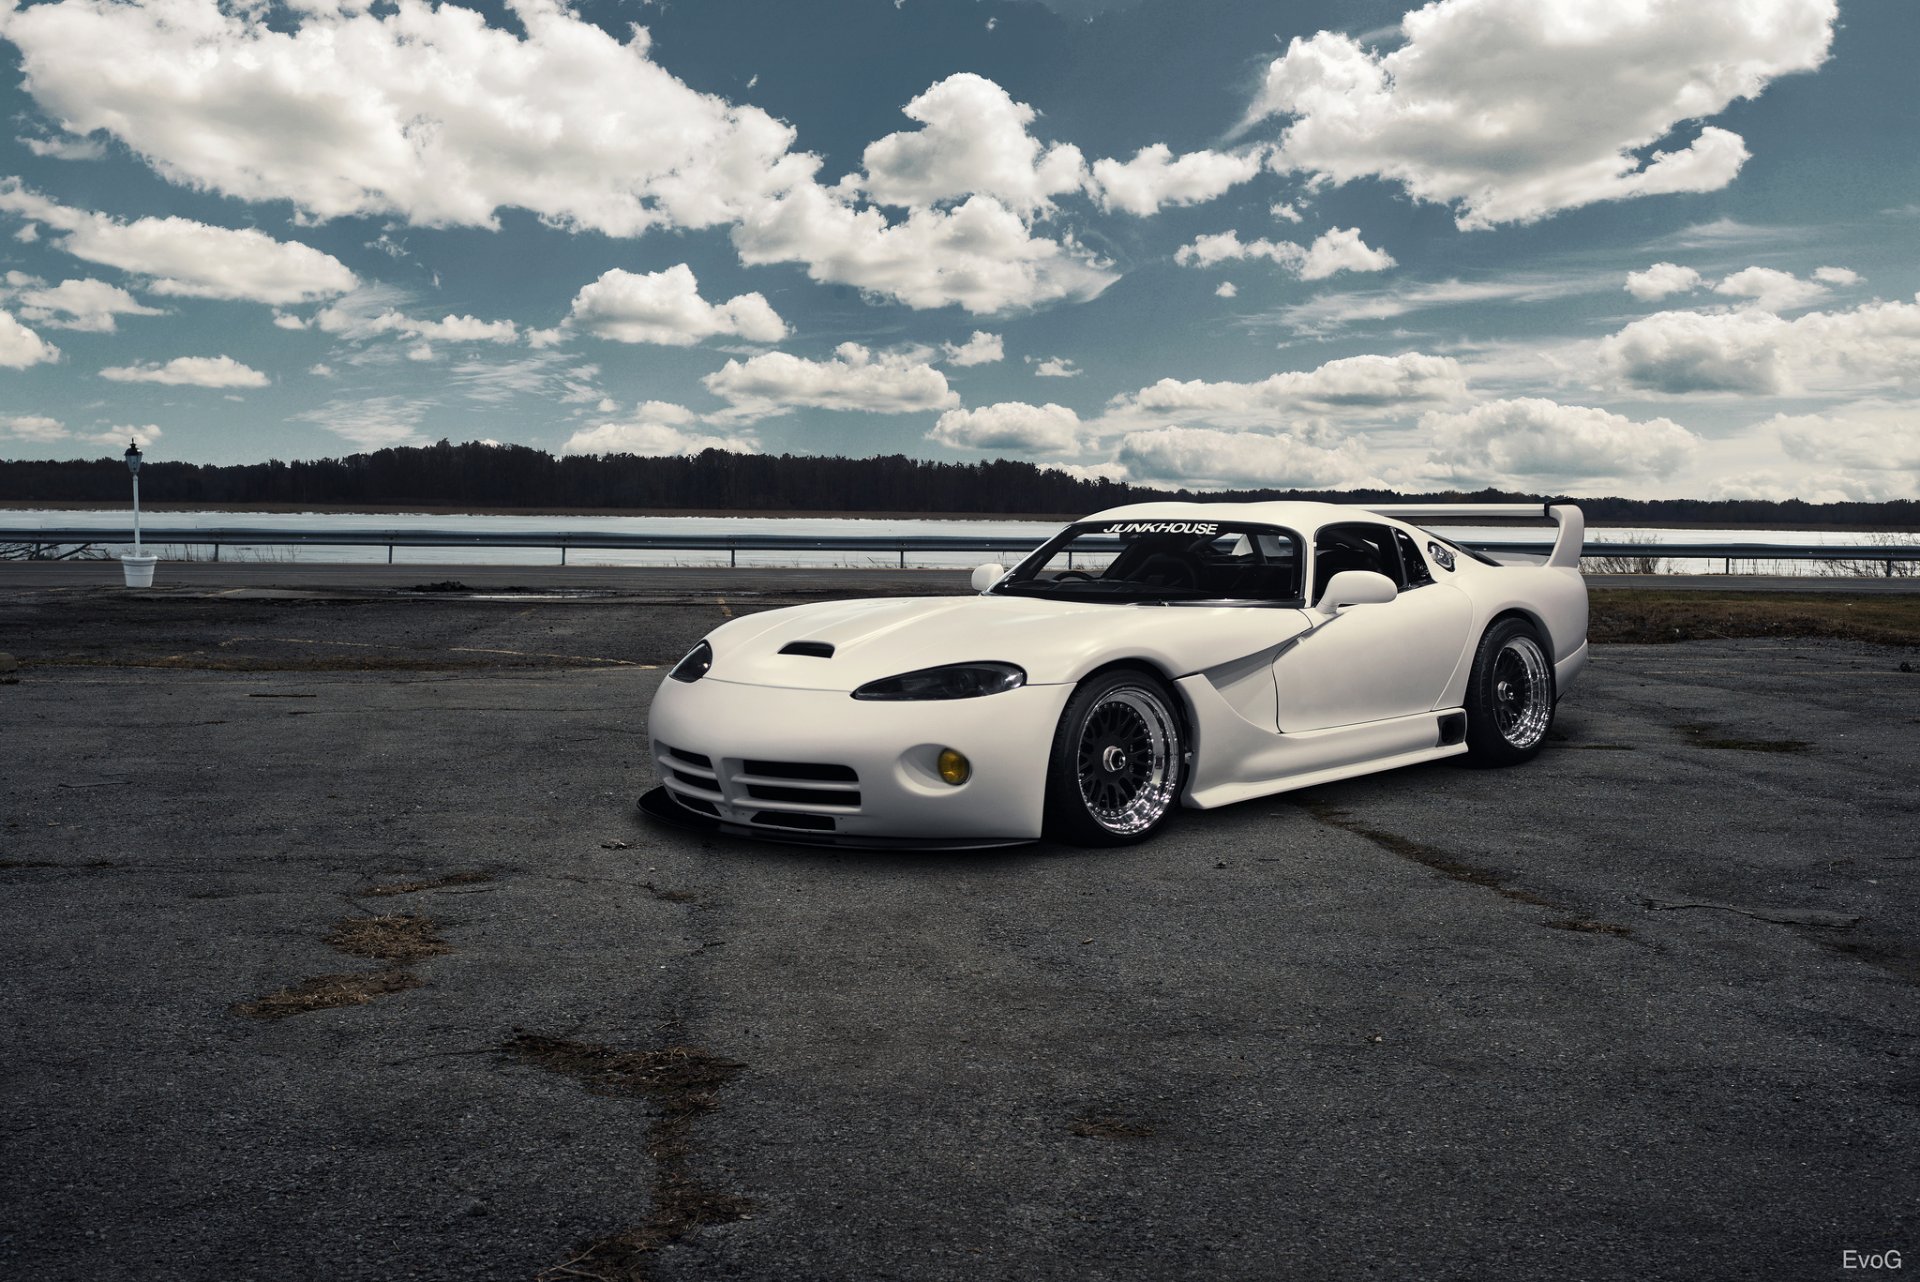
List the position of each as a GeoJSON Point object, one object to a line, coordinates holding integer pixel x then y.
{"type": "Point", "coordinates": [954, 767]}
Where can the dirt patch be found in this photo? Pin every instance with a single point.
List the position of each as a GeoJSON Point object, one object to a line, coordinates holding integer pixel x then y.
{"type": "Point", "coordinates": [1110, 1126]}
{"type": "Point", "coordinates": [682, 1083]}
{"type": "Point", "coordinates": [1447, 866]}
{"type": "Point", "coordinates": [394, 937]}
{"type": "Point", "coordinates": [434, 883]}
{"type": "Point", "coordinates": [1700, 735]}
{"type": "Point", "coordinates": [1651, 616]}
{"type": "Point", "coordinates": [324, 992]}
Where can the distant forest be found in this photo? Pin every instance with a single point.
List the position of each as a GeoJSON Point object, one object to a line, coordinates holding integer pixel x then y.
{"type": "Point", "coordinates": [515, 476]}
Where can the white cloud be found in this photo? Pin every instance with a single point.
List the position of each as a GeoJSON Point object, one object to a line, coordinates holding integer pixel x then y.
{"type": "Point", "coordinates": [20, 346]}
{"type": "Point", "coordinates": [1662, 279]}
{"type": "Point", "coordinates": [1206, 457]}
{"type": "Point", "coordinates": [1057, 367]}
{"type": "Point", "coordinates": [1754, 352]}
{"type": "Point", "coordinates": [1868, 436]}
{"type": "Point", "coordinates": [1832, 485]}
{"type": "Point", "coordinates": [1342, 250]}
{"type": "Point", "coordinates": [183, 257]}
{"type": "Point", "coordinates": [420, 110]}
{"type": "Point", "coordinates": [374, 422]}
{"type": "Point", "coordinates": [665, 307]}
{"type": "Point", "coordinates": [1156, 177]}
{"type": "Point", "coordinates": [1010, 425]}
{"type": "Point", "coordinates": [33, 427]}
{"type": "Point", "coordinates": [1348, 383]}
{"type": "Point", "coordinates": [1836, 276]}
{"type": "Point", "coordinates": [190, 371]}
{"type": "Point", "coordinates": [65, 147]}
{"type": "Point", "coordinates": [1330, 311]}
{"type": "Point", "coordinates": [1338, 250]}
{"type": "Point", "coordinates": [372, 313]}
{"type": "Point", "coordinates": [656, 428]}
{"type": "Point", "coordinates": [979, 255]}
{"type": "Point", "coordinates": [1682, 352]}
{"type": "Point", "coordinates": [981, 349]}
{"type": "Point", "coordinates": [974, 141]}
{"type": "Point", "coordinates": [430, 113]}
{"type": "Point", "coordinates": [1510, 110]}
{"type": "Point", "coordinates": [1771, 290]}
{"type": "Point", "coordinates": [1226, 289]}
{"type": "Point", "coordinates": [89, 305]}
{"type": "Point", "coordinates": [1535, 440]}
{"type": "Point", "coordinates": [856, 379]}
{"type": "Point", "coordinates": [146, 434]}
{"type": "Point", "coordinates": [1287, 212]}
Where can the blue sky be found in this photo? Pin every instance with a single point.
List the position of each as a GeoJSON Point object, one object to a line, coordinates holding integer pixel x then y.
{"type": "Point", "coordinates": [1649, 249]}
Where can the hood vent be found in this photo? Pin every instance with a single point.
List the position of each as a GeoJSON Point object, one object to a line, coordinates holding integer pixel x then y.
{"type": "Point", "coordinates": [812, 649]}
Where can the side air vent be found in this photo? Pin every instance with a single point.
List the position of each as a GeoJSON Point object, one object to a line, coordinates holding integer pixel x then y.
{"type": "Point", "coordinates": [811, 649]}
{"type": "Point", "coordinates": [1453, 728]}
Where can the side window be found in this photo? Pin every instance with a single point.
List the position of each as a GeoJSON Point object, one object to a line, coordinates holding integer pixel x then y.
{"type": "Point", "coordinates": [1413, 565]}
{"type": "Point", "coordinates": [1353, 546]}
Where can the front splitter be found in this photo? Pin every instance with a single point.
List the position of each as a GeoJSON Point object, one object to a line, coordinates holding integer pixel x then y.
{"type": "Point", "coordinates": [659, 804]}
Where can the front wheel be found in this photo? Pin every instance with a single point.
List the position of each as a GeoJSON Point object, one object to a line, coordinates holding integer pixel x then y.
{"type": "Point", "coordinates": [1115, 771]}
{"type": "Point", "coordinates": [1509, 696]}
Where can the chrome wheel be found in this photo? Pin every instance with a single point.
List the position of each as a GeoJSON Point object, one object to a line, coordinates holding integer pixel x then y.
{"type": "Point", "coordinates": [1127, 759]}
{"type": "Point", "coordinates": [1522, 692]}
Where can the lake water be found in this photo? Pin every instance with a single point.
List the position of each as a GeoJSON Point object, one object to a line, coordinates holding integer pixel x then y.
{"type": "Point", "coordinates": [155, 527]}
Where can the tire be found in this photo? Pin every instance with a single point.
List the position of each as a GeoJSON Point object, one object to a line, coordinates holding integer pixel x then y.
{"type": "Point", "coordinates": [1118, 761]}
{"type": "Point", "coordinates": [1510, 695]}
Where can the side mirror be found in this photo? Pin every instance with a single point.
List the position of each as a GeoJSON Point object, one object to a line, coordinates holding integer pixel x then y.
{"type": "Point", "coordinates": [1356, 587]}
{"type": "Point", "coordinates": [985, 576]}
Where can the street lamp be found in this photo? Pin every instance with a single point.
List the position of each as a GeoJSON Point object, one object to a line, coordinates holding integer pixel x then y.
{"type": "Point", "coordinates": [133, 466]}
{"type": "Point", "coordinates": [138, 567]}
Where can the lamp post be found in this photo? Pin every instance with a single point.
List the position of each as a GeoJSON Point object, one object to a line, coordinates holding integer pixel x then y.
{"type": "Point", "coordinates": [138, 568]}
{"type": "Point", "coordinates": [133, 466]}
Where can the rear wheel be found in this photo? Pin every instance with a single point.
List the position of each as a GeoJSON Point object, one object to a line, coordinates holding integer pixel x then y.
{"type": "Point", "coordinates": [1509, 695]}
{"type": "Point", "coordinates": [1118, 755]}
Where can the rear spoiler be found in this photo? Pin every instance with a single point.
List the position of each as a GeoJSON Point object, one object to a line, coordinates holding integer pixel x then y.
{"type": "Point", "coordinates": [1567, 543]}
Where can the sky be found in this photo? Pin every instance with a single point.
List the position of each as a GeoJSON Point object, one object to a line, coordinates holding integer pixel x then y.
{"type": "Point", "coordinates": [1648, 248]}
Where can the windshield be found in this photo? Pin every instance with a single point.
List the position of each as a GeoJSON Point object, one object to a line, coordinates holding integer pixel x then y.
{"type": "Point", "coordinates": [1163, 562]}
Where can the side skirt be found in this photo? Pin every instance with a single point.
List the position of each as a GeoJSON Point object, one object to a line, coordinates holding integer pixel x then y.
{"type": "Point", "coordinates": [1235, 759]}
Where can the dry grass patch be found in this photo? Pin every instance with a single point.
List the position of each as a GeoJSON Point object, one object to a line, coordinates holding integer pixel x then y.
{"type": "Point", "coordinates": [324, 992]}
{"type": "Point", "coordinates": [1653, 615]}
{"type": "Point", "coordinates": [434, 883]}
{"type": "Point", "coordinates": [394, 937]}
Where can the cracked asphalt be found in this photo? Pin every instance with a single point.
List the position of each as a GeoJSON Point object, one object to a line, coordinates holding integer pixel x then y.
{"type": "Point", "coordinates": [1643, 1008]}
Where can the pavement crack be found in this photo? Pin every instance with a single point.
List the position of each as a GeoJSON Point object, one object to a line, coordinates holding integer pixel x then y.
{"type": "Point", "coordinates": [1818, 918]}
{"type": "Point", "coordinates": [1448, 866]}
{"type": "Point", "coordinates": [682, 1082]}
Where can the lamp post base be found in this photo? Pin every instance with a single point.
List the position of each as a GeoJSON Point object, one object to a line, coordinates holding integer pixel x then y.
{"type": "Point", "coordinates": [139, 570]}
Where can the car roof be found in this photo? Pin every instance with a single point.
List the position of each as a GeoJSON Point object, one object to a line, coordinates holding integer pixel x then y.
{"type": "Point", "coordinates": [1294, 515]}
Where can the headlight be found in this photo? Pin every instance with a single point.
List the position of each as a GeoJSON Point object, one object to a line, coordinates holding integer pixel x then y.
{"type": "Point", "coordinates": [956, 681]}
{"type": "Point", "coordinates": [695, 665]}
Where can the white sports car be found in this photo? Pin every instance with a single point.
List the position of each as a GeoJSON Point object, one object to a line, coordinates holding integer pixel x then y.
{"type": "Point", "coordinates": [1145, 658]}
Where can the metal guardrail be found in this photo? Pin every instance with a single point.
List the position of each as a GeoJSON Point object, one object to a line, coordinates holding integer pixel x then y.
{"type": "Point", "coordinates": [49, 539]}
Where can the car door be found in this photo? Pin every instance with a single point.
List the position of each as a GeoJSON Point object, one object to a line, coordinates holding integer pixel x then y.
{"type": "Point", "coordinates": [1372, 662]}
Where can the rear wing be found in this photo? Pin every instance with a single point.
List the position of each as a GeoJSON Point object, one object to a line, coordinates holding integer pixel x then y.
{"type": "Point", "coordinates": [1567, 542]}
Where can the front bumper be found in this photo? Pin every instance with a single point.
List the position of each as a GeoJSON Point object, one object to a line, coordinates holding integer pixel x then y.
{"type": "Point", "coordinates": [819, 767]}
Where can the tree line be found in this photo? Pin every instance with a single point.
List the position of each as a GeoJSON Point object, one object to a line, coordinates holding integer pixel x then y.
{"type": "Point", "coordinates": [475, 475]}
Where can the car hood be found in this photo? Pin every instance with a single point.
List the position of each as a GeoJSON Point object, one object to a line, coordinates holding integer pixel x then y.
{"type": "Point", "coordinates": [1055, 641]}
